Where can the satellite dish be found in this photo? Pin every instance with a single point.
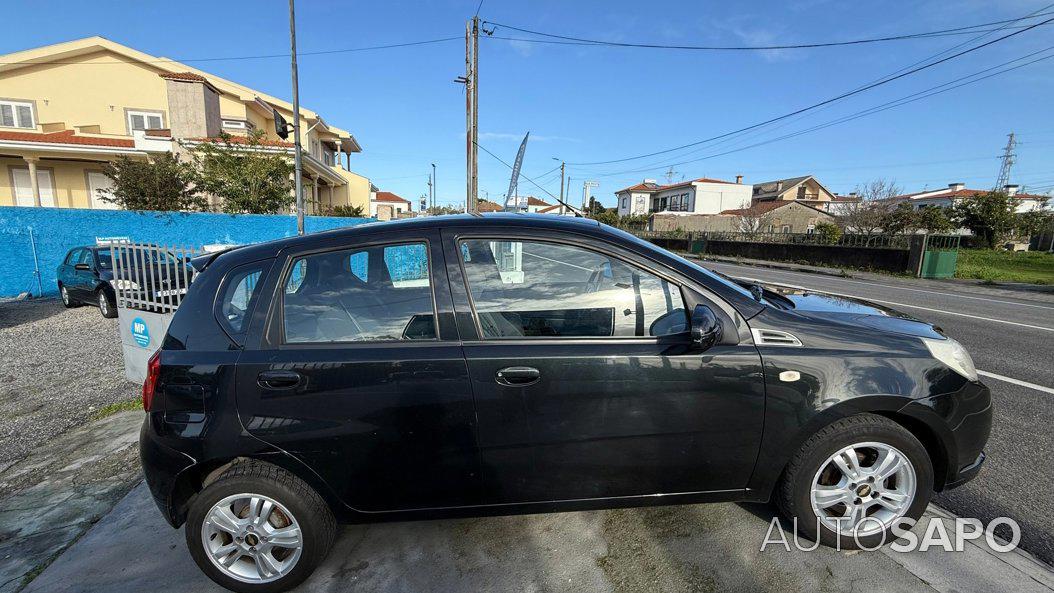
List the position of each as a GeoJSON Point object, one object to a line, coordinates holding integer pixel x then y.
{"type": "Point", "coordinates": [281, 126]}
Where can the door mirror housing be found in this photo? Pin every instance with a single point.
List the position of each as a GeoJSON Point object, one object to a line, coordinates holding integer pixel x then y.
{"type": "Point", "coordinates": [82, 267]}
{"type": "Point", "coordinates": [706, 329]}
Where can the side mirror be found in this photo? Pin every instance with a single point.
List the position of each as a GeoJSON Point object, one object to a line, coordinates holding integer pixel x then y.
{"type": "Point", "coordinates": [82, 267]}
{"type": "Point", "coordinates": [706, 329]}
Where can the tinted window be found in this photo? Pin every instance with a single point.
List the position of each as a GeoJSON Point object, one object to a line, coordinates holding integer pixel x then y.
{"type": "Point", "coordinates": [535, 289]}
{"type": "Point", "coordinates": [372, 294]}
{"type": "Point", "coordinates": [238, 295]}
{"type": "Point", "coordinates": [73, 257]}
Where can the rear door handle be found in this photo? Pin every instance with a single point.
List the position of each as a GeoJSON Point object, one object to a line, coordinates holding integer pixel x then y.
{"type": "Point", "coordinates": [279, 379]}
{"type": "Point", "coordinates": [518, 376]}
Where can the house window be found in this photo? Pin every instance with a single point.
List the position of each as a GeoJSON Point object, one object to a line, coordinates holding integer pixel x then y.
{"type": "Point", "coordinates": [684, 202]}
{"type": "Point", "coordinates": [785, 229]}
{"type": "Point", "coordinates": [16, 114]}
{"type": "Point", "coordinates": [625, 203]}
{"type": "Point", "coordinates": [145, 120]}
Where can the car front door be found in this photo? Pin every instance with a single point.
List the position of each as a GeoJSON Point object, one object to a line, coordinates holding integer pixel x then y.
{"type": "Point", "coordinates": [586, 381]}
{"type": "Point", "coordinates": [84, 275]}
{"type": "Point", "coordinates": [360, 374]}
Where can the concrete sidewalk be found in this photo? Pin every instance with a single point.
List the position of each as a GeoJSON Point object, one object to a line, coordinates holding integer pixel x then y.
{"type": "Point", "coordinates": [682, 548]}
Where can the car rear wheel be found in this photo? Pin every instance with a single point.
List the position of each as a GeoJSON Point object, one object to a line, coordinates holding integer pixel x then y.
{"type": "Point", "coordinates": [67, 300]}
{"type": "Point", "coordinates": [852, 481]}
{"type": "Point", "coordinates": [106, 307]}
{"type": "Point", "coordinates": [258, 528]}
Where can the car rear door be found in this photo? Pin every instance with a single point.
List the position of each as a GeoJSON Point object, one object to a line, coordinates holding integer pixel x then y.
{"type": "Point", "coordinates": [586, 382]}
{"type": "Point", "coordinates": [359, 373]}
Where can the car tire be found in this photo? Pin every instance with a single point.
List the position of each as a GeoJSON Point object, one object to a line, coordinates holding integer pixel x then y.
{"type": "Point", "coordinates": [294, 505]}
{"type": "Point", "coordinates": [107, 305]}
{"type": "Point", "coordinates": [67, 298]}
{"type": "Point", "coordinates": [815, 477]}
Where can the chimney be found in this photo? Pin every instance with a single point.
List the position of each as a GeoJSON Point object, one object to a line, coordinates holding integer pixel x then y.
{"type": "Point", "coordinates": [651, 181]}
{"type": "Point", "coordinates": [958, 185]}
{"type": "Point", "coordinates": [193, 108]}
{"type": "Point", "coordinates": [779, 186]}
{"type": "Point", "coordinates": [739, 179]}
{"type": "Point", "coordinates": [1011, 189]}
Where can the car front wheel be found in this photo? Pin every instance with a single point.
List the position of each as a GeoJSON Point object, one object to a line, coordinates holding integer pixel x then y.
{"type": "Point", "coordinates": [67, 300]}
{"type": "Point", "coordinates": [852, 481]}
{"type": "Point", "coordinates": [258, 528]}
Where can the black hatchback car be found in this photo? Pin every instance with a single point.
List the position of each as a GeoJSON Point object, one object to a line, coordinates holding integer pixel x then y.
{"type": "Point", "coordinates": [471, 365]}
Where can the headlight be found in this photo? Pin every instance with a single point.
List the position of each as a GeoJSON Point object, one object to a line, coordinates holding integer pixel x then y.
{"type": "Point", "coordinates": [125, 284]}
{"type": "Point", "coordinates": [952, 354]}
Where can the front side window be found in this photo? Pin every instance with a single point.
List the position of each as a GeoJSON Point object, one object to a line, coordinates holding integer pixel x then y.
{"type": "Point", "coordinates": [145, 120]}
{"type": "Point", "coordinates": [380, 293]}
{"type": "Point", "coordinates": [16, 114]}
{"type": "Point", "coordinates": [531, 289]}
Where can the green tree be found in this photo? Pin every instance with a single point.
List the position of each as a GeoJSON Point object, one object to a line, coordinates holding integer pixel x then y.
{"type": "Point", "coordinates": [935, 220]}
{"type": "Point", "coordinates": [990, 216]}
{"type": "Point", "coordinates": [829, 232]}
{"type": "Point", "coordinates": [440, 210]}
{"type": "Point", "coordinates": [163, 182]}
{"type": "Point", "coordinates": [608, 217]}
{"type": "Point", "coordinates": [247, 179]}
{"type": "Point", "coordinates": [901, 219]}
{"type": "Point", "coordinates": [1034, 222]}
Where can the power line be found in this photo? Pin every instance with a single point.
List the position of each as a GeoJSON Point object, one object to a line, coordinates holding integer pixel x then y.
{"type": "Point", "coordinates": [254, 57]}
{"type": "Point", "coordinates": [845, 95]}
{"type": "Point", "coordinates": [917, 96]}
{"type": "Point", "coordinates": [569, 40]}
{"type": "Point", "coordinates": [499, 159]}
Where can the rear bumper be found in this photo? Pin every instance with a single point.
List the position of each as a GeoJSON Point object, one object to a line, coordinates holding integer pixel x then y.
{"type": "Point", "coordinates": [162, 467]}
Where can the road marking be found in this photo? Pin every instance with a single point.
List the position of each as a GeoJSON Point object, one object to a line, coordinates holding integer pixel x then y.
{"type": "Point", "coordinates": [1016, 382]}
{"type": "Point", "coordinates": [951, 294]}
{"type": "Point", "coordinates": [942, 311]}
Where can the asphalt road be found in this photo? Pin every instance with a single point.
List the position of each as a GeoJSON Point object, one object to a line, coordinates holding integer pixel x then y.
{"type": "Point", "coordinates": [1009, 335]}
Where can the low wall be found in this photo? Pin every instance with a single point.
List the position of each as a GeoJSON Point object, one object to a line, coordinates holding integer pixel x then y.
{"type": "Point", "coordinates": [56, 230]}
{"type": "Point", "coordinates": [874, 258]}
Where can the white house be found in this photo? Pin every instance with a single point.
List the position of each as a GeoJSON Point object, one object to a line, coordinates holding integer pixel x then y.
{"type": "Point", "coordinates": [957, 192]}
{"type": "Point", "coordinates": [390, 204]}
{"type": "Point", "coordinates": [697, 196]}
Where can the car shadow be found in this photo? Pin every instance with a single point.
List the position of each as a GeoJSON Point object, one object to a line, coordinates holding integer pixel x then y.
{"type": "Point", "coordinates": [14, 313]}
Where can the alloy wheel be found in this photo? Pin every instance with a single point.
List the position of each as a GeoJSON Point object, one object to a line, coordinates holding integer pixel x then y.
{"type": "Point", "coordinates": [252, 538]}
{"type": "Point", "coordinates": [65, 296]}
{"type": "Point", "coordinates": [104, 303]}
{"type": "Point", "coordinates": [863, 489]}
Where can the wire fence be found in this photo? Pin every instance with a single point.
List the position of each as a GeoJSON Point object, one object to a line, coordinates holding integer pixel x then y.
{"type": "Point", "coordinates": [151, 277]}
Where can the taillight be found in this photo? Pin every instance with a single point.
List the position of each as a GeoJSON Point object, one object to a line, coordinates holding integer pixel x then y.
{"type": "Point", "coordinates": [153, 373]}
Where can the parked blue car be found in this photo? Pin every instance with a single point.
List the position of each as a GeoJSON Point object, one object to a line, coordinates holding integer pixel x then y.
{"type": "Point", "coordinates": [86, 276]}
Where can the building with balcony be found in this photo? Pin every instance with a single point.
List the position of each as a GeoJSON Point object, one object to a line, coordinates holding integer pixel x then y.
{"type": "Point", "coordinates": [804, 190]}
{"type": "Point", "coordinates": [68, 109]}
{"type": "Point", "coordinates": [697, 196]}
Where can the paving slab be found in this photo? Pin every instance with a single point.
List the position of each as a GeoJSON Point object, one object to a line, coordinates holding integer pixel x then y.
{"type": "Point", "coordinates": [680, 548]}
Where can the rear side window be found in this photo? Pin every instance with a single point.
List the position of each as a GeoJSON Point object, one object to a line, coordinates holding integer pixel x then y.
{"type": "Point", "coordinates": [377, 293]}
{"type": "Point", "coordinates": [533, 289]}
{"type": "Point", "coordinates": [239, 295]}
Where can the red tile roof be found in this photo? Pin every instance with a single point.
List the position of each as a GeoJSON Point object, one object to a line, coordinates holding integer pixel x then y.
{"type": "Point", "coordinates": [485, 206]}
{"type": "Point", "coordinates": [549, 209]}
{"type": "Point", "coordinates": [847, 199]}
{"type": "Point", "coordinates": [970, 193]}
{"type": "Point", "coordinates": [654, 187]}
{"type": "Point", "coordinates": [66, 137]}
{"type": "Point", "coordinates": [533, 201]}
{"type": "Point", "coordinates": [188, 76]}
{"type": "Point", "coordinates": [387, 196]}
{"type": "Point", "coordinates": [237, 139]}
{"type": "Point", "coordinates": [759, 208]}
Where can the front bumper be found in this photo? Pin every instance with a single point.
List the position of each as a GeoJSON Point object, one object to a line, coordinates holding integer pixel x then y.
{"type": "Point", "coordinates": [962, 421]}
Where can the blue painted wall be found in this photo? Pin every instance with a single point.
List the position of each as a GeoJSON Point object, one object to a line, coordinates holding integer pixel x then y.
{"type": "Point", "coordinates": [57, 230]}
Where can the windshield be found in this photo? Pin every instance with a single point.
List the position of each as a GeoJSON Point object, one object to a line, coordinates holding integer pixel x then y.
{"type": "Point", "coordinates": [153, 256]}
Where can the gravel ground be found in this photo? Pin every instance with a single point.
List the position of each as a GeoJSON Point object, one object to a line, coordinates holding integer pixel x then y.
{"type": "Point", "coordinates": [57, 366]}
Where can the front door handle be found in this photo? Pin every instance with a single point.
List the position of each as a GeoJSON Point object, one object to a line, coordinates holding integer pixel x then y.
{"type": "Point", "coordinates": [518, 376]}
{"type": "Point", "coordinates": [279, 379]}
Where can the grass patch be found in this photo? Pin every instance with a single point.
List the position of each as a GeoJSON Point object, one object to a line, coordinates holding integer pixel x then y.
{"type": "Point", "coordinates": [111, 409]}
{"type": "Point", "coordinates": [1033, 267]}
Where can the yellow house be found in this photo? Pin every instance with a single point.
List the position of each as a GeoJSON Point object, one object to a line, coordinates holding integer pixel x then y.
{"type": "Point", "coordinates": [67, 109]}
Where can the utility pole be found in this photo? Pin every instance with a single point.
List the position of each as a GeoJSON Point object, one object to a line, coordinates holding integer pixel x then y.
{"type": "Point", "coordinates": [297, 164]}
{"type": "Point", "coordinates": [434, 184]}
{"type": "Point", "coordinates": [425, 206]}
{"type": "Point", "coordinates": [562, 164]}
{"type": "Point", "coordinates": [471, 82]}
{"type": "Point", "coordinates": [1008, 161]}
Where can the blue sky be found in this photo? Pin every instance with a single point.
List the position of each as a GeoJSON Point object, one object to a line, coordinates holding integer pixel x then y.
{"type": "Point", "coordinates": [586, 104]}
